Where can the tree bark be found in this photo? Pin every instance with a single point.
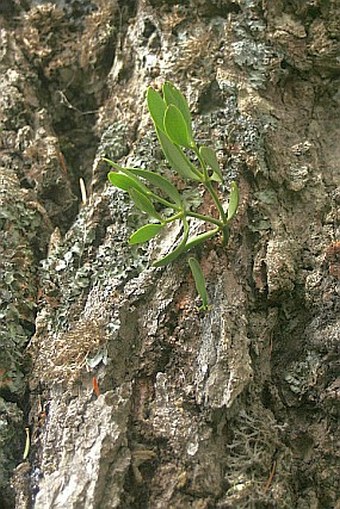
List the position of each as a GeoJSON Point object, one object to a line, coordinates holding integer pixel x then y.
{"type": "Point", "coordinates": [130, 396]}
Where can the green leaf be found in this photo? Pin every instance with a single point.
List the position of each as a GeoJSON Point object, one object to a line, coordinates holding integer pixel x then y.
{"type": "Point", "coordinates": [156, 107]}
{"type": "Point", "coordinates": [202, 237]}
{"type": "Point", "coordinates": [145, 233]}
{"type": "Point", "coordinates": [162, 183]}
{"type": "Point", "coordinates": [112, 163]}
{"type": "Point", "coordinates": [176, 127]}
{"type": "Point", "coordinates": [177, 159]}
{"type": "Point", "coordinates": [177, 251]}
{"type": "Point", "coordinates": [199, 281]}
{"type": "Point", "coordinates": [234, 199]}
{"type": "Point", "coordinates": [173, 96]}
{"type": "Point", "coordinates": [144, 204]}
{"type": "Point", "coordinates": [157, 180]}
{"type": "Point", "coordinates": [126, 182]}
{"type": "Point", "coordinates": [127, 171]}
{"type": "Point", "coordinates": [209, 157]}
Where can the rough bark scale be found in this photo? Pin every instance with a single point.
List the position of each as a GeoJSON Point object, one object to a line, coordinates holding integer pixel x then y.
{"type": "Point", "coordinates": [233, 408]}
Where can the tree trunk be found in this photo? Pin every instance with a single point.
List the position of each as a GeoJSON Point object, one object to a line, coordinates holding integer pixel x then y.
{"type": "Point", "coordinates": [130, 396]}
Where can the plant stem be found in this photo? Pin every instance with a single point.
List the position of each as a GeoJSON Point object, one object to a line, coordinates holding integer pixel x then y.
{"type": "Point", "coordinates": [163, 201]}
{"type": "Point", "coordinates": [194, 241]}
{"type": "Point", "coordinates": [208, 219]}
{"type": "Point", "coordinates": [208, 185]}
{"type": "Point", "coordinates": [202, 163]}
{"type": "Point", "coordinates": [179, 215]}
{"type": "Point", "coordinates": [218, 204]}
{"type": "Point", "coordinates": [225, 229]}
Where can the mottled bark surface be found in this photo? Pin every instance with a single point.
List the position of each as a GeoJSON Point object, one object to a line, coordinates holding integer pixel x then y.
{"type": "Point", "coordinates": [233, 408]}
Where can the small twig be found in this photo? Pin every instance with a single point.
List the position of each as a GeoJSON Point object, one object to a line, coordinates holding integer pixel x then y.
{"type": "Point", "coordinates": [270, 478]}
{"type": "Point", "coordinates": [63, 100]}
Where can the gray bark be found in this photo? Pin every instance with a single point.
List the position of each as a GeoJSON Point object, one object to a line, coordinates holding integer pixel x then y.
{"type": "Point", "coordinates": [232, 408]}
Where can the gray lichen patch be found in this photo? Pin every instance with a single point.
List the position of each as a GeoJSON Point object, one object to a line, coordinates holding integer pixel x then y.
{"type": "Point", "coordinates": [11, 419]}
{"type": "Point", "coordinates": [20, 223]}
{"type": "Point", "coordinates": [96, 284]}
{"type": "Point", "coordinates": [21, 220]}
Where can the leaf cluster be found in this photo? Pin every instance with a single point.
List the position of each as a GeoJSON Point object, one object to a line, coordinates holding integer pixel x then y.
{"type": "Point", "coordinates": [151, 191]}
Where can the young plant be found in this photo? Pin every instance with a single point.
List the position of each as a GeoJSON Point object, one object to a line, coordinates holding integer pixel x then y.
{"type": "Point", "coordinates": [171, 116]}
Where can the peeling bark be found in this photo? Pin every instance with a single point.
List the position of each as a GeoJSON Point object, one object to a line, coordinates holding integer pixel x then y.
{"type": "Point", "coordinates": [133, 398]}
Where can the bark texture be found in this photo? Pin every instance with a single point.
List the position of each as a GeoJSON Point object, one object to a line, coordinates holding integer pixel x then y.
{"type": "Point", "coordinates": [131, 397]}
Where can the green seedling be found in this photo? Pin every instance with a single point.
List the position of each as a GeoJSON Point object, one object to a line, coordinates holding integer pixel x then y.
{"type": "Point", "coordinates": [171, 116]}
